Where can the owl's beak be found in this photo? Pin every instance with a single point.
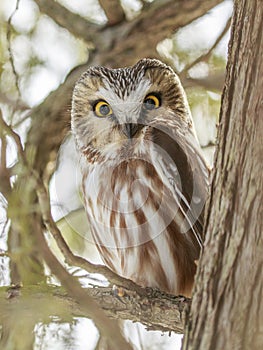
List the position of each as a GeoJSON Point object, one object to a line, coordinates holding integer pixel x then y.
{"type": "Point", "coordinates": [129, 130]}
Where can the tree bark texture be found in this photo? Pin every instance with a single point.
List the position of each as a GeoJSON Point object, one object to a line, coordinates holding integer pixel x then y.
{"type": "Point", "coordinates": [227, 307]}
{"type": "Point", "coordinates": [156, 310]}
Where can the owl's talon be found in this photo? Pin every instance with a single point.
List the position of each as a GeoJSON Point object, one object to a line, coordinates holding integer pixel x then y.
{"type": "Point", "coordinates": [118, 291]}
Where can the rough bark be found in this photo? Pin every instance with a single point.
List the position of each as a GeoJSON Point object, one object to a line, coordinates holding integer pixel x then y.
{"type": "Point", "coordinates": [156, 310]}
{"type": "Point", "coordinates": [227, 308]}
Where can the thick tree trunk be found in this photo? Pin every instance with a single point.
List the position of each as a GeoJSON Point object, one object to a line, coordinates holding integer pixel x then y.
{"type": "Point", "coordinates": [227, 307]}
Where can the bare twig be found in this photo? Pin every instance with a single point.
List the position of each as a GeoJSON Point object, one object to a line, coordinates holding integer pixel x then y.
{"type": "Point", "coordinates": [67, 253]}
{"type": "Point", "coordinates": [3, 253]}
{"type": "Point", "coordinates": [213, 81]}
{"type": "Point", "coordinates": [74, 23]}
{"type": "Point", "coordinates": [11, 57]}
{"type": "Point", "coordinates": [113, 11]}
{"type": "Point", "coordinates": [17, 105]}
{"type": "Point", "coordinates": [206, 56]}
{"type": "Point", "coordinates": [5, 186]}
{"type": "Point", "coordinates": [209, 144]}
{"type": "Point", "coordinates": [107, 327]}
{"type": "Point", "coordinates": [22, 119]}
{"type": "Point", "coordinates": [8, 129]}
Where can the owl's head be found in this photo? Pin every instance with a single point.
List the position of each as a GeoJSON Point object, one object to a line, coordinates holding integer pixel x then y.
{"type": "Point", "coordinates": [115, 106]}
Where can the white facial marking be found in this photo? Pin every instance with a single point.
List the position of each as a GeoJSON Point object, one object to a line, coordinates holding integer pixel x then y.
{"type": "Point", "coordinates": [126, 109]}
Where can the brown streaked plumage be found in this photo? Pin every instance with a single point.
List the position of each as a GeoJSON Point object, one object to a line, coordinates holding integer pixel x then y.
{"type": "Point", "coordinates": [145, 180]}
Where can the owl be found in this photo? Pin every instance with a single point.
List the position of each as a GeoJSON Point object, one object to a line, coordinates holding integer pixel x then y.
{"type": "Point", "coordinates": [144, 179]}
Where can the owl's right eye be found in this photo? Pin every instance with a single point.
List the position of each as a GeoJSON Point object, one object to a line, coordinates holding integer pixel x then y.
{"type": "Point", "coordinates": [102, 109]}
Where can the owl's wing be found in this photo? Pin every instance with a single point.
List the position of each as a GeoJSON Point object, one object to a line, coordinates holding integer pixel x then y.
{"type": "Point", "coordinates": [187, 171]}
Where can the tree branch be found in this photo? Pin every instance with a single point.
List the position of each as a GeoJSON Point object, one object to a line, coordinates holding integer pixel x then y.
{"type": "Point", "coordinates": [16, 105]}
{"type": "Point", "coordinates": [156, 22]}
{"type": "Point", "coordinates": [72, 259]}
{"type": "Point", "coordinates": [75, 291]}
{"type": "Point", "coordinates": [211, 82]}
{"type": "Point", "coordinates": [206, 56]}
{"type": "Point", "coordinates": [113, 11]}
{"type": "Point", "coordinates": [8, 129]}
{"type": "Point", "coordinates": [74, 23]}
{"type": "Point", "coordinates": [5, 186]}
{"type": "Point", "coordinates": [156, 310]}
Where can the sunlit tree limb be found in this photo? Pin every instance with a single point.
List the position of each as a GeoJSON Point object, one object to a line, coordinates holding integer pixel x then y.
{"type": "Point", "coordinates": [113, 11]}
{"type": "Point", "coordinates": [74, 23]}
{"type": "Point", "coordinates": [156, 310]}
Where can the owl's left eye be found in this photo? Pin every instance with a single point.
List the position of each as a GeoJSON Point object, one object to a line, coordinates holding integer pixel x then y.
{"type": "Point", "coordinates": [102, 109]}
{"type": "Point", "coordinates": [152, 101]}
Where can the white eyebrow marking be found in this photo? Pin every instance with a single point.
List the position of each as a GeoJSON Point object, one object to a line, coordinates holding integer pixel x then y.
{"type": "Point", "coordinates": [130, 95]}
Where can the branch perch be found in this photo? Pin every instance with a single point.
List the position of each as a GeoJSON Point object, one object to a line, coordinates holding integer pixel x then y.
{"type": "Point", "coordinates": [157, 311]}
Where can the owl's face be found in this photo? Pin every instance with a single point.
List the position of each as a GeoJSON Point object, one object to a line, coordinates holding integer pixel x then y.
{"type": "Point", "coordinates": [113, 108]}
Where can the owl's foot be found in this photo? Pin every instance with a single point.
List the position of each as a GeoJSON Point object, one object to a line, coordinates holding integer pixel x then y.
{"type": "Point", "coordinates": [118, 291]}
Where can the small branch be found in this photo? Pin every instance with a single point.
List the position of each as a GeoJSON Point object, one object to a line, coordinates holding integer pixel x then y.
{"type": "Point", "coordinates": [209, 144]}
{"type": "Point", "coordinates": [72, 259]}
{"type": "Point", "coordinates": [8, 129]}
{"type": "Point", "coordinates": [214, 81]}
{"type": "Point", "coordinates": [3, 253]}
{"type": "Point", "coordinates": [157, 22]}
{"type": "Point", "coordinates": [17, 105]}
{"type": "Point", "coordinates": [206, 56]}
{"type": "Point", "coordinates": [74, 23]}
{"type": "Point", "coordinates": [75, 291]}
{"type": "Point", "coordinates": [11, 57]}
{"type": "Point", "coordinates": [5, 186]}
{"type": "Point", "coordinates": [113, 11]}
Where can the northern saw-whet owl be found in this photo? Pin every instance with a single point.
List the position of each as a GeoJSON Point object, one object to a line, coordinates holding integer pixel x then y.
{"type": "Point", "coordinates": [144, 178]}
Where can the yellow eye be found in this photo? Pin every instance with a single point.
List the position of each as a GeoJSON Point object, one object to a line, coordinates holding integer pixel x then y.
{"type": "Point", "coordinates": [102, 109]}
{"type": "Point", "coordinates": [152, 102]}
